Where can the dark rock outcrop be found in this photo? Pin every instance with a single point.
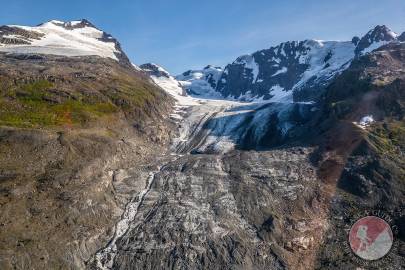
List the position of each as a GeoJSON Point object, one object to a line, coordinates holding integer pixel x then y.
{"type": "Point", "coordinates": [154, 70]}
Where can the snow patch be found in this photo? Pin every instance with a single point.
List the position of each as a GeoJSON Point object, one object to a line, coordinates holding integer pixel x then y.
{"type": "Point", "coordinates": [175, 89]}
{"type": "Point", "coordinates": [74, 23]}
{"type": "Point", "coordinates": [280, 71]}
{"type": "Point", "coordinates": [280, 94]}
{"type": "Point", "coordinates": [365, 121]}
{"type": "Point", "coordinates": [374, 46]}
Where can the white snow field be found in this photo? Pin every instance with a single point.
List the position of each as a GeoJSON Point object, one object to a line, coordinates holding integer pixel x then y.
{"type": "Point", "coordinates": [58, 40]}
{"type": "Point", "coordinates": [341, 54]}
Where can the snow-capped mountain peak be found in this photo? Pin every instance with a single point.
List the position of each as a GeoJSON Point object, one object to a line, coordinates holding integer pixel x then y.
{"type": "Point", "coordinates": [73, 38]}
{"type": "Point", "coordinates": [291, 71]}
{"type": "Point", "coordinates": [375, 38]}
{"type": "Point", "coordinates": [69, 25]}
{"type": "Point", "coordinates": [273, 74]}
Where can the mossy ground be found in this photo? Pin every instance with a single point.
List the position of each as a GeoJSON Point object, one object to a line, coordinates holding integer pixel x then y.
{"type": "Point", "coordinates": [388, 137]}
{"type": "Point", "coordinates": [388, 140]}
{"type": "Point", "coordinates": [37, 104]}
{"type": "Point", "coordinates": [29, 105]}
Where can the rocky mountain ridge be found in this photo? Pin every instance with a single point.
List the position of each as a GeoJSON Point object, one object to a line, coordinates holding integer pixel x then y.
{"type": "Point", "coordinates": [290, 71]}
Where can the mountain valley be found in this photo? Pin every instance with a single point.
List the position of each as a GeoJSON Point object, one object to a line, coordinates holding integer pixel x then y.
{"type": "Point", "coordinates": [260, 164]}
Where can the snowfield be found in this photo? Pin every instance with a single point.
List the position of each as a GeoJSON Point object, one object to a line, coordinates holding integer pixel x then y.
{"type": "Point", "coordinates": [340, 56]}
{"type": "Point", "coordinates": [59, 40]}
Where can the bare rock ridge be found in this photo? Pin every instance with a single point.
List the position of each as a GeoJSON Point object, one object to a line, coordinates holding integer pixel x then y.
{"type": "Point", "coordinates": [154, 70]}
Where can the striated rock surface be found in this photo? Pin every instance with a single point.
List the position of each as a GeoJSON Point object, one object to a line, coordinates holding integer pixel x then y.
{"type": "Point", "coordinates": [224, 212]}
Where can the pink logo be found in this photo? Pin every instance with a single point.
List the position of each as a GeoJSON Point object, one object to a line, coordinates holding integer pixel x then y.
{"type": "Point", "coordinates": [371, 238]}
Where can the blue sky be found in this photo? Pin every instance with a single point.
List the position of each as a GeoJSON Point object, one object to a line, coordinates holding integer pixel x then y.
{"type": "Point", "coordinates": [181, 34]}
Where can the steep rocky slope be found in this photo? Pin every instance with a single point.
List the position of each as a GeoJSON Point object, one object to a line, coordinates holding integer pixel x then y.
{"type": "Point", "coordinates": [372, 169]}
{"type": "Point", "coordinates": [68, 124]}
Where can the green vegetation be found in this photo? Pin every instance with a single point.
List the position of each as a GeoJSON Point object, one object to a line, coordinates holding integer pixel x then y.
{"type": "Point", "coordinates": [389, 141]}
{"type": "Point", "coordinates": [29, 105]}
{"type": "Point", "coordinates": [388, 138]}
{"type": "Point", "coordinates": [74, 101]}
{"type": "Point", "coordinates": [127, 93]}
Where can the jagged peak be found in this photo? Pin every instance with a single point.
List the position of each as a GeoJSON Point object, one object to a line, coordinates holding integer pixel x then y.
{"type": "Point", "coordinates": [381, 32]}
{"type": "Point", "coordinates": [243, 59]}
{"type": "Point", "coordinates": [155, 70]}
{"type": "Point", "coordinates": [355, 40]}
{"type": "Point", "coordinates": [375, 38]}
{"type": "Point", "coordinates": [75, 24]}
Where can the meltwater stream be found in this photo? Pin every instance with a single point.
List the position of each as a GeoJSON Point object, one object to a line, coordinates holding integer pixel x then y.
{"type": "Point", "coordinates": [105, 258]}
